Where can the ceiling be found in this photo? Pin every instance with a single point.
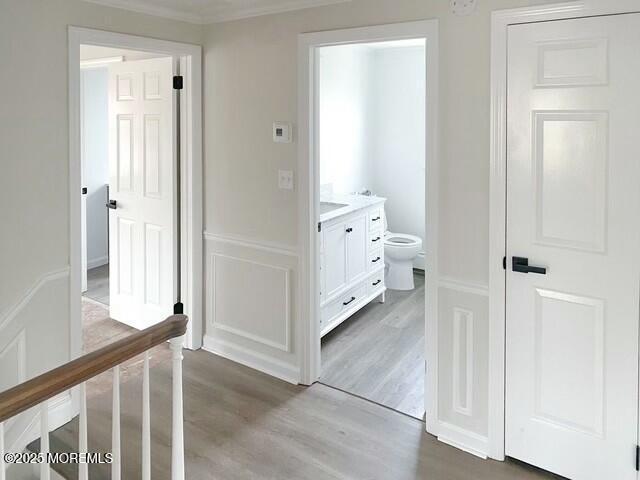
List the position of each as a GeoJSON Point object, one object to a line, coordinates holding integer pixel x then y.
{"type": "Point", "coordinates": [212, 11]}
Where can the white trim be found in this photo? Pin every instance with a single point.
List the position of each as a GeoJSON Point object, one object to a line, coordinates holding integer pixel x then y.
{"type": "Point", "coordinates": [155, 10]}
{"type": "Point", "coordinates": [309, 305]}
{"type": "Point", "coordinates": [464, 286]}
{"type": "Point", "coordinates": [11, 312]}
{"type": "Point", "coordinates": [252, 359]}
{"type": "Point", "coordinates": [97, 262]}
{"type": "Point", "coordinates": [500, 20]}
{"type": "Point", "coordinates": [236, 14]}
{"type": "Point", "coordinates": [270, 247]}
{"type": "Point", "coordinates": [61, 411]}
{"type": "Point", "coordinates": [100, 62]}
{"type": "Point", "coordinates": [288, 6]}
{"type": "Point", "coordinates": [284, 347]}
{"type": "Point", "coordinates": [465, 440]}
{"type": "Point", "coordinates": [190, 57]}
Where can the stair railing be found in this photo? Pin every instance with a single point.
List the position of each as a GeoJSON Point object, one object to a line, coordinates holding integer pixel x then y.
{"type": "Point", "coordinates": [39, 390]}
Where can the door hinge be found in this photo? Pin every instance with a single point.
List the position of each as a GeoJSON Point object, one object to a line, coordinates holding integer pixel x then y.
{"type": "Point", "coordinates": [319, 227]}
{"type": "Point", "coordinates": [177, 82]}
{"type": "Point", "coordinates": [504, 263]}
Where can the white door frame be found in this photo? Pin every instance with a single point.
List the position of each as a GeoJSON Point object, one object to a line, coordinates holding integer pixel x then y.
{"type": "Point", "coordinates": [190, 59]}
{"type": "Point", "coordinates": [500, 20]}
{"type": "Point", "coordinates": [309, 195]}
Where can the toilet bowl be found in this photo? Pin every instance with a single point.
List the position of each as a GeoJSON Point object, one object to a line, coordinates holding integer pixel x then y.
{"type": "Point", "coordinates": [399, 251]}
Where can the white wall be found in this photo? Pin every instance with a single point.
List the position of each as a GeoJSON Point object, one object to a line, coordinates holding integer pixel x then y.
{"type": "Point", "coordinates": [95, 131]}
{"type": "Point", "coordinates": [372, 127]}
{"type": "Point", "coordinates": [345, 118]}
{"type": "Point", "coordinates": [397, 142]}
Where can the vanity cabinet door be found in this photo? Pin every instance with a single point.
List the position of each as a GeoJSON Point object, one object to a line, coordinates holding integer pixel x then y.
{"type": "Point", "coordinates": [335, 258]}
{"type": "Point", "coordinates": [356, 248]}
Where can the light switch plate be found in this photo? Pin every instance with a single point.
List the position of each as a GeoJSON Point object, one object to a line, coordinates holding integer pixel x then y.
{"type": "Point", "coordinates": [285, 179]}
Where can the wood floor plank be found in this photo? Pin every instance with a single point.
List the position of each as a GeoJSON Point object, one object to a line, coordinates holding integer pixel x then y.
{"type": "Point", "coordinates": [241, 424]}
{"type": "Point", "coordinates": [378, 353]}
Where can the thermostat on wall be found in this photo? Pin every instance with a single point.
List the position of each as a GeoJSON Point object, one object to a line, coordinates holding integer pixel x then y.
{"type": "Point", "coordinates": [281, 132]}
{"type": "Point", "coordinates": [463, 7]}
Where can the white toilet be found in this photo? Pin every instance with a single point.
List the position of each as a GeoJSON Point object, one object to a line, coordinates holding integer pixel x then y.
{"type": "Point", "coordinates": [399, 252]}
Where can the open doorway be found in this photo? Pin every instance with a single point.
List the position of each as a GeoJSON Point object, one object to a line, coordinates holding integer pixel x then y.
{"type": "Point", "coordinates": [371, 135]}
{"type": "Point", "coordinates": [135, 209]}
{"type": "Point", "coordinates": [128, 168]}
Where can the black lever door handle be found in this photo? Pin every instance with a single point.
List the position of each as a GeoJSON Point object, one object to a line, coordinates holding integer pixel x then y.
{"type": "Point", "coordinates": [347, 303]}
{"type": "Point", "coordinates": [112, 204]}
{"type": "Point", "coordinates": [521, 264]}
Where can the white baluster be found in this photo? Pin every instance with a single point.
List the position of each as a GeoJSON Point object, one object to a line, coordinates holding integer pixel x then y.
{"type": "Point", "coordinates": [45, 472]}
{"type": "Point", "coordinates": [177, 438]}
{"type": "Point", "coordinates": [115, 425]}
{"type": "Point", "coordinates": [146, 422]}
{"type": "Point", "coordinates": [83, 447]}
{"type": "Point", "coordinates": [3, 467]}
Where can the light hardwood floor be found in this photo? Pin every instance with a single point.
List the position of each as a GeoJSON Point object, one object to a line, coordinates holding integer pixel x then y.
{"type": "Point", "coordinates": [98, 284]}
{"type": "Point", "coordinates": [378, 353]}
{"type": "Point", "coordinates": [241, 424]}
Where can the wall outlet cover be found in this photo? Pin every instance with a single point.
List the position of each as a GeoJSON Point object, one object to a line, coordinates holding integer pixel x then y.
{"type": "Point", "coordinates": [285, 179]}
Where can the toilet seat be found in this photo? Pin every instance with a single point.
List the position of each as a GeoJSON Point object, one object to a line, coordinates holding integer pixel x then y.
{"type": "Point", "coordinates": [401, 240]}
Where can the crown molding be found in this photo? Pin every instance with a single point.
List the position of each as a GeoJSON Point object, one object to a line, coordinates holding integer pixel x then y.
{"type": "Point", "coordinates": [143, 7]}
{"type": "Point", "coordinates": [140, 6]}
{"type": "Point", "coordinates": [287, 6]}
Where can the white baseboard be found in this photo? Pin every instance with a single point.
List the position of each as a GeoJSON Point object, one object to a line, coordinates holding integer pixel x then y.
{"type": "Point", "coordinates": [465, 440]}
{"type": "Point", "coordinates": [262, 363]}
{"type": "Point", "coordinates": [61, 411]}
{"type": "Point", "coordinates": [97, 262]}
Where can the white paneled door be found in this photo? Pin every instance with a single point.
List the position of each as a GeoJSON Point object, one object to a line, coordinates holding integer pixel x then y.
{"type": "Point", "coordinates": [573, 208]}
{"type": "Point", "coordinates": [141, 188]}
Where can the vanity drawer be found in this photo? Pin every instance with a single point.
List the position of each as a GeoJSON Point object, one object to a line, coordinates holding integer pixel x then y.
{"type": "Point", "coordinates": [343, 303]}
{"type": "Point", "coordinates": [376, 221]}
{"type": "Point", "coordinates": [376, 240]}
{"type": "Point", "coordinates": [375, 282]}
{"type": "Point", "coordinates": [376, 259]}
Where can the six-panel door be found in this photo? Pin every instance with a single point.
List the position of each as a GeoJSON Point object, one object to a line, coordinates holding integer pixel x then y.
{"type": "Point", "coordinates": [141, 181]}
{"type": "Point", "coordinates": [573, 203]}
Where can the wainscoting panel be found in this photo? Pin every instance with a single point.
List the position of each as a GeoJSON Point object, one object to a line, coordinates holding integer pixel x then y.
{"type": "Point", "coordinates": [463, 362]}
{"type": "Point", "coordinates": [33, 341]}
{"type": "Point", "coordinates": [250, 304]}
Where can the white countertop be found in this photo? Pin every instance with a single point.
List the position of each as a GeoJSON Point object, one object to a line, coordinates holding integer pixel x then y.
{"type": "Point", "coordinates": [352, 203]}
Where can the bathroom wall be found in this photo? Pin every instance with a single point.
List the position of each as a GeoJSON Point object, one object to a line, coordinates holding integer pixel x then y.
{"type": "Point", "coordinates": [95, 132]}
{"type": "Point", "coordinates": [372, 127]}
{"type": "Point", "coordinates": [345, 118]}
{"type": "Point", "coordinates": [396, 146]}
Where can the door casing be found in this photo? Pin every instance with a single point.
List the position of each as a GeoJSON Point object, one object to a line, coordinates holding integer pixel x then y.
{"type": "Point", "coordinates": [500, 20]}
{"type": "Point", "coordinates": [190, 61]}
{"type": "Point", "coordinates": [309, 195]}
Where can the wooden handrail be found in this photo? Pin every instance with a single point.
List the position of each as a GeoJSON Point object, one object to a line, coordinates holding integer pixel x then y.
{"type": "Point", "coordinates": [35, 391]}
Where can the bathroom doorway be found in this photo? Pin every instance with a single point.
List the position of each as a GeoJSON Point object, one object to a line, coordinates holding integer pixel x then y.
{"type": "Point", "coordinates": [370, 122]}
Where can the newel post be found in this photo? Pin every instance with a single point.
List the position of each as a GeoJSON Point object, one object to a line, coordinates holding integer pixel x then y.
{"type": "Point", "coordinates": [177, 434]}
